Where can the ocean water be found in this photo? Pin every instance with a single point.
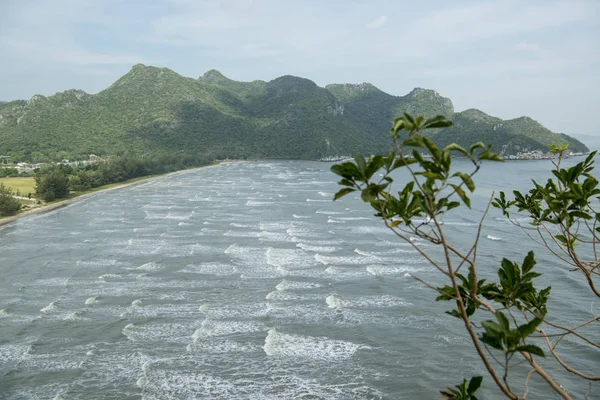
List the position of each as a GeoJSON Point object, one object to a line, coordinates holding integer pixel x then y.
{"type": "Point", "coordinates": [245, 281]}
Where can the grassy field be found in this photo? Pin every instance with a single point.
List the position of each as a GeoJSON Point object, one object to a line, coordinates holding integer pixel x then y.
{"type": "Point", "coordinates": [25, 185]}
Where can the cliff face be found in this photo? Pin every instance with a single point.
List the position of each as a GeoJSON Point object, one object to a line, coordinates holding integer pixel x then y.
{"type": "Point", "coordinates": [155, 110]}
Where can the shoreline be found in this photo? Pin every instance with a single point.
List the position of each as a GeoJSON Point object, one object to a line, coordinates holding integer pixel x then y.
{"type": "Point", "coordinates": [63, 203]}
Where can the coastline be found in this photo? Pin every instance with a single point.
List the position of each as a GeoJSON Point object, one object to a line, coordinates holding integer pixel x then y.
{"type": "Point", "coordinates": [63, 203]}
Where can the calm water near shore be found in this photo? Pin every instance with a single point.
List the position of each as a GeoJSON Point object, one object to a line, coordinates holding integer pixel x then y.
{"type": "Point", "coordinates": [245, 281]}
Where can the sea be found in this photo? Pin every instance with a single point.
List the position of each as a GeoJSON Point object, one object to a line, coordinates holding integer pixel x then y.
{"type": "Point", "coordinates": [246, 281]}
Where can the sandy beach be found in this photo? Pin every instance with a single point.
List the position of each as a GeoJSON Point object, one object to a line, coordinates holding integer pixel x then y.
{"type": "Point", "coordinates": [60, 204]}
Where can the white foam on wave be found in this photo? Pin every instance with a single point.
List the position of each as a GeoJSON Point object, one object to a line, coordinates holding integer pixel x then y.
{"type": "Point", "coordinates": [279, 237]}
{"type": "Point", "coordinates": [109, 276]}
{"type": "Point", "coordinates": [137, 303]}
{"type": "Point", "coordinates": [333, 221]}
{"type": "Point", "coordinates": [298, 347]}
{"type": "Point", "coordinates": [128, 332]}
{"type": "Point", "coordinates": [247, 234]}
{"type": "Point", "coordinates": [151, 266]}
{"type": "Point", "coordinates": [325, 194]}
{"type": "Point", "coordinates": [292, 296]}
{"type": "Point", "coordinates": [214, 328]}
{"type": "Point", "coordinates": [352, 218]}
{"type": "Point", "coordinates": [370, 230]}
{"type": "Point", "coordinates": [390, 270]}
{"type": "Point", "coordinates": [211, 268]}
{"type": "Point", "coordinates": [49, 308]}
{"type": "Point", "coordinates": [345, 260]}
{"type": "Point", "coordinates": [277, 226]}
{"type": "Point", "coordinates": [237, 225]}
{"type": "Point", "coordinates": [290, 259]}
{"type": "Point", "coordinates": [317, 242]}
{"type": "Point", "coordinates": [495, 238]}
{"type": "Point", "coordinates": [234, 311]}
{"type": "Point", "coordinates": [296, 285]}
{"type": "Point", "coordinates": [371, 302]}
{"type": "Point", "coordinates": [330, 212]}
{"type": "Point", "coordinates": [91, 300]}
{"type": "Point", "coordinates": [254, 203]}
{"type": "Point", "coordinates": [210, 231]}
{"type": "Point", "coordinates": [318, 201]}
{"type": "Point", "coordinates": [201, 249]}
{"type": "Point", "coordinates": [75, 316]}
{"type": "Point", "coordinates": [300, 216]}
{"type": "Point", "coordinates": [317, 249]}
{"type": "Point", "coordinates": [4, 311]}
{"type": "Point", "coordinates": [334, 301]}
{"type": "Point", "coordinates": [97, 263]}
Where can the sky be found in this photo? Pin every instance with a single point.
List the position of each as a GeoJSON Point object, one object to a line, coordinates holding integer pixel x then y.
{"type": "Point", "coordinates": [508, 58]}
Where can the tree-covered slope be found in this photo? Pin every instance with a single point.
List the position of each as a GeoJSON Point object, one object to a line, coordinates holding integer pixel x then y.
{"type": "Point", "coordinates": [156, 111]}
{"type": "Point", "coordinates": [506, 137]}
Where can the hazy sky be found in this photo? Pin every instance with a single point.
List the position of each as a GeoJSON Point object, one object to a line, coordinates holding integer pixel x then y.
{"type": "Point", "coordinates": [507, 58]}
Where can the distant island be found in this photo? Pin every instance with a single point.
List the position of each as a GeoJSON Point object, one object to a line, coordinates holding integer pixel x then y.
{"type": "Point", "coordinates": [152, 112]}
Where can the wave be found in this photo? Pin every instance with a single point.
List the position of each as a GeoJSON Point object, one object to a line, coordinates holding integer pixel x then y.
{"type": "Point", "coordinates": [300, 216]}
{"type": "Point", "coordinates": [385, 270]}
{"type": "Point", "coordinates": [91, 300]}
{"type": "Point", "coordinates": [137, 303]}
{"type": "Point", "coordinates": [76, 316]}
{"type": "Point", "coordinates": [151, 266]}
{"type": "Point", "coordinates": [490, 237]}
{"type": "Point", "coordinates": [211, 268]}
{"type": "Point", "coordinates": [334, 301]}
{"type": "Point", "coordinates": [317, 249]}
{"type": "Point", "coordinates": [49, 308]}
{"type": "Point", "coordinates": [345, 260]}
{"type": "Point", "coordinates": [237, 225]}
{"type": "Point", "coordinates": [109, 276]}
{"type": "Point", "coordinates": [298, 347]}
{"type": "Point", "coordinates": [296, 285]}
{"type": "Point", "coordinates": [254, 203]}
{"type": "Point", "coordinates": [212, 328]}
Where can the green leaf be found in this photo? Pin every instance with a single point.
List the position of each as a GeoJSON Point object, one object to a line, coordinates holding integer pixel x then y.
{"type": "Point", "coordinates": [461, 193]}
{"type": "Point", "coordinates": [475, 146]}
{"type": "Point", "coordinates": [503, 321]}
{"type": "Point", "coordinates": [433, 149]}
{"type": "Point", "coordinates": [468, 181]}
{"type": "Point", "coordinates": [532, 349]}
{"type": "Point", "coordinates": [401, 162]}
{"type": "Point", "coordinates": [414, 141]}
{"type": "Point", "coordinates": [455, 147]}
{"type": "Point", "coordinates": [488, 155]}
{"type": "Point", "coordinates": [528, 262]}
{"type": "Point", "coordinates": [438, 121]}
{"type": "Point", "coordinates": [528, 328]}
{"type": "Point", "coordinates": [342, 193]}
{"type": "Point", "coordinates": [474, 384]}
{"type": "Point", "coordinates": [399, 124]}
{"type": "Point", "coordinates": [346, 170]}
{"type": "Point", "coordinates": [360, 162]}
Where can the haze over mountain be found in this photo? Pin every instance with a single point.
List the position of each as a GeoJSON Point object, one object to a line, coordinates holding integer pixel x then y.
{"type": "Point", "coordinates": [154, 111]}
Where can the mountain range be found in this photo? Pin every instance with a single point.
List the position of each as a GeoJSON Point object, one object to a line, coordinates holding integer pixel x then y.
{"type": "Point", "coordinates": [156, 111]}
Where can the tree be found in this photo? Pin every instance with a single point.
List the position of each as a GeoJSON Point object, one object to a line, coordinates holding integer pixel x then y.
{"type": "Point", "coordinates": [8, 204]}
{"type": "Point", "coordinates": [506, 320]}
{"type": "Point", "coordinates": [52, 182]}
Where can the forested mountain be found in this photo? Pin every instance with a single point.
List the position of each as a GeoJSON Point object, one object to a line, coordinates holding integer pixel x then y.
{"type": "Point", "coordinates": [156, 111]}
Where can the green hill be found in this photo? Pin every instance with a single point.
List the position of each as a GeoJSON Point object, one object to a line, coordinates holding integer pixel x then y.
{"type": "Point", "coordinates": [156, 111]}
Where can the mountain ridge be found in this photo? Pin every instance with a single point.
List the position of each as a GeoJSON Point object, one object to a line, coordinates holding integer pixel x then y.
{"type": "Point", "coordinates": [156, 110]}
